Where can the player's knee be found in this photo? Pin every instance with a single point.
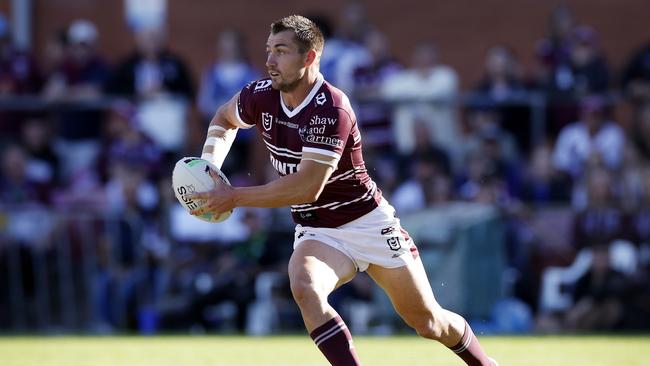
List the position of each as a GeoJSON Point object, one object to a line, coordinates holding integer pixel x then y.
{"type": "Point", "coordinates": [304, 292]}
{"type": "Point", "coordinates": [429, 326]}
{"type": "Point", "coordinates": [429, 330]}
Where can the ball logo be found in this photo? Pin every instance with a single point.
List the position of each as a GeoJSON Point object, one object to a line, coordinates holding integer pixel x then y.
{"type": "Point", "coordinates": [183, 191]}
{"type": "Point", "coordinates": [267, 120]}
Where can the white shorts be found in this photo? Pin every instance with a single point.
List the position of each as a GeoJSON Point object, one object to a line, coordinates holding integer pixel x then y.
{"type": "Point", "coordinates": [375, 237]}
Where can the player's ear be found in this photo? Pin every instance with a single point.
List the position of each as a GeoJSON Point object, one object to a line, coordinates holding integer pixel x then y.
{"type": "Point", "coordinates": [311, 57]}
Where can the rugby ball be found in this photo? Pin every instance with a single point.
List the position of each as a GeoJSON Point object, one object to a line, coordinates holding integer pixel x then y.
{"type": "Point", "coordinates": [192, 175]}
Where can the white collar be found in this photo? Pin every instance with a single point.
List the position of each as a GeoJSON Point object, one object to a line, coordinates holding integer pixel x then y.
{"type": "Point", "coordinates": [310, 96]}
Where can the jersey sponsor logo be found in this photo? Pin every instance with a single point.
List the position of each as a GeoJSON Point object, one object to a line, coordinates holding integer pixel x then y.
{"type": "Point", "coordinates": [387, 230]}
{"type": "Point", "coordinates": [305, 232]}
{"type": "Point", "coordinates": [302, 131]}
{"type": "Point", "coordinates": [316, 120]}
{"type": "Point", "coordinates": [267, 120]}
{"type": "Point", "coordinates": [315, 130]}
{"type": "Point", "coordinates": [314, 134]}
{"type": "Point", "coordinates": [282, 167]}
{"type": "Point", "coordinates": [262, 84]}
{"type": "Point", "coordinates": [308, 216]}
{"type": "Point", "coordinates": [321, 98]}
{"type": "Point", "coordinates": [324, 140]}
{"type": "Point", "coordinates": [285, 123]}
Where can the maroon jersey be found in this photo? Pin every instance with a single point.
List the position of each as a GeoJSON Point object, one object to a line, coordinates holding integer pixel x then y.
{"type": "Point", "coordinates": [323, 123]}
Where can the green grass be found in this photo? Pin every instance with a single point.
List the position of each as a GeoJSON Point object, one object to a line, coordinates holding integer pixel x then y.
{"type": "Point", "coordinates": [300, 351]}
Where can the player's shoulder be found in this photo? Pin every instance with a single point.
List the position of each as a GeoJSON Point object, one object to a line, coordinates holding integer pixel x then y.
{"type": "Point", "coordinates": [332, 98]}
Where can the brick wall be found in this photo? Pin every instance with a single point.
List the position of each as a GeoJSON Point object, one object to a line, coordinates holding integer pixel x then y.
{"type": "Point", "coordinates": [464, 29]}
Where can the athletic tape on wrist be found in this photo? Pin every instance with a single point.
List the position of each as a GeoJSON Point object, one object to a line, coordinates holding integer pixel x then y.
{"type": "Point", "coordinates": [217, 147]}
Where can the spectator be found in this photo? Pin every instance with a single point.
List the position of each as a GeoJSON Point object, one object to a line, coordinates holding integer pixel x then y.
{"type": "Point", "coordinates": [484, 125]}
{"type": "Point", "coordinates": [345, 51]}
{"type": "Point", "coordinates": [425, 93]}
{"type": "Point", "coordinates": [592, 137]}
{"type": "Point", "coordinates": [640, 223]}
{"type": "Point", "coordinates": [542, 184]}
{"type": "Point", "coordinates": [80, 78]}
{"type": "Point", "coordinates": [424, 146]}
{"type": "Point", "coordinates": [374, 116]}
{"type": "Point", "coordinates": [55, 52]}
{"type": "Point", "coordinates": [553, 56]}
{"type": "Point", "coordinates": [125, 142]}
{"type": "Point", "coordinates": [232, 273]}
{"type": "Point", "coordinates": [43, 163]}
{"type": "Point", "coordinates": [227, 75]}
{"type": "Point", "coordinates": [120, 249]}
{"type": "Point", "coordinates": [19, 75]}
{"type": "Point", "coordinates": [160, 83]}
{"type": "Point", "coordinates": [641, 131]}
{"type": "Point", "coordinates": [582, 71]}
{"type": "Point", "coordinates": [554, 50]}
{"type": "Point", "coordinates": [18, 71]}
{"type": "Point", "coordinates": [503, 87]}
{"type": "Point", "coordinates": [16, 187]}
{"type": "Point", "coordinates": [630, 178]}
{"type": "Point", "coordinates": [635, 78]}
{"type": "Point", "coordinates": [502, 79]}
{"type": "Point", "coordinates": [482, 183]}
{"type": "Point", "coordinates": [601, 220]}
{"type": "Point", "coordinates": [128, 190]}
{"type": "Point", "coordinates": [427, 187]}
{"type": "Point", "coordinates": [26, 231]}
{"type": "Point", "coordinates": [82, 74]}
{"type": "Point", "coordinates": [599, 296]}
{"type": "Point", "coordinates": [586, 72]}
{"type": "Point", "coordinates": [151, 69]}
{"type": "Point", "coordinates": [589, 67]}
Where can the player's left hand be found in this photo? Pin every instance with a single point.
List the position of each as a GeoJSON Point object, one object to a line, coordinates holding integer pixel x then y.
{"type": "Point", "coordinates": [218, 200]}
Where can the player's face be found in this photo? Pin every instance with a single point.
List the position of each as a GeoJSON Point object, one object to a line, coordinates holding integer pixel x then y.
{"type": "Point", "coordinates": [284, 62]}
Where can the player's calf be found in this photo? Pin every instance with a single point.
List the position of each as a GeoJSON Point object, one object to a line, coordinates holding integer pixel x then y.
{"type": "Point", "coordinates": [334, 340]}
{"type": "Point", "coordinates": [470, 350]}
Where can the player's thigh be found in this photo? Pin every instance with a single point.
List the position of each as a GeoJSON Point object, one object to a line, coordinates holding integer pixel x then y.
{"type": "Point", "coordinates": [316, 265]}
{"type": "Point", "coordinates": [409, 290]}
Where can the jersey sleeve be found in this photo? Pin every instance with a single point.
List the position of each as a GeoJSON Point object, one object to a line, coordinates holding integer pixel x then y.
{"type": "Point", "coordinates": [327, 133]}
{"type": "Point", "coordinates": [245, 108]}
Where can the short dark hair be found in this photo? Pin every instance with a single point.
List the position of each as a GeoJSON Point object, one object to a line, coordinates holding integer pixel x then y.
{"type": "Point", "coordinates": [307, 33]}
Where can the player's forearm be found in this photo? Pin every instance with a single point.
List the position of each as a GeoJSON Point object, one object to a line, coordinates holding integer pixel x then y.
{"type": "Point", "coordinates": [219, 138]}
{"type": "Point", "coordinates": [292, 189]}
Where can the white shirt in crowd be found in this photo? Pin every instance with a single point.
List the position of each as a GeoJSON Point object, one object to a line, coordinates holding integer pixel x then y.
{"type": "Point", "coordinates": [575, 145]}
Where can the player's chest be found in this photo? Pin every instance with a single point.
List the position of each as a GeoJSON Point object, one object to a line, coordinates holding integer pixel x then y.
{"type": "Point", "coordinates": [282, 131]}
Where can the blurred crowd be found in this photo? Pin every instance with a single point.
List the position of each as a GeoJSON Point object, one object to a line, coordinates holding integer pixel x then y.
{"type": "Point", "coordinates": [87, 161]}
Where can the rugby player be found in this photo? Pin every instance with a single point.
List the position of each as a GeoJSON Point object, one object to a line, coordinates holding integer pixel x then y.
{"type": "Point", "coordinates": [344, 225]}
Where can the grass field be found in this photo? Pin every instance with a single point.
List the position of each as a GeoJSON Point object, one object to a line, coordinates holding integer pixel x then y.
{"type": "Point", "coordinates": [299, 351]}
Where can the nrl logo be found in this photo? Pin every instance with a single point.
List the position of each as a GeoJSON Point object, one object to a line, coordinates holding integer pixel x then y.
{"type": "Point", "coordinates": [267, 120]}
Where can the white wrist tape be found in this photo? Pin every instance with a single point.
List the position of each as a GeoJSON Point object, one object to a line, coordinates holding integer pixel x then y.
{"type": "Point", "coordinates": [217, 144]}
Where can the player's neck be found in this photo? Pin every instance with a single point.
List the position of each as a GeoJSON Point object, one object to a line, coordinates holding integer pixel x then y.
{"type": "Point", "coordinates": [295, 97]}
